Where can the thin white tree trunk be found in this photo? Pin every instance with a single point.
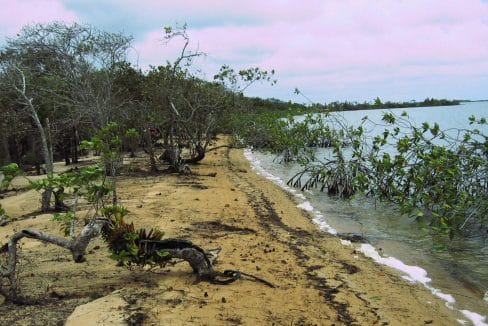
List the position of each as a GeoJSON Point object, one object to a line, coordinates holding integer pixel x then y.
{"type": "Point", "coordinates": [45, 149]}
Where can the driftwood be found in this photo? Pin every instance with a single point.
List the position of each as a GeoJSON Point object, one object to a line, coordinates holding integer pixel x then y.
{"type": "Point", "coordinates": [199, 259]}
{"type": "Point", "coordinates": [146, 247]}
{"type": "Point", "coordinates": [77, 246]}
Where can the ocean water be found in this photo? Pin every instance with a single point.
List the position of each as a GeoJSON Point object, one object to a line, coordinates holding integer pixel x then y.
{"type": "Point", "coordinates": [458, 275]}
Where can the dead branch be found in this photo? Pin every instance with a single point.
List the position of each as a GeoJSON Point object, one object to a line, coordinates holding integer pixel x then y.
{"type": "Point", "coordinates": [155, 251]}
{"type": "Point", "coordinates": [77, 246]}
{"type": "Point", "coordinates": [198, 260]}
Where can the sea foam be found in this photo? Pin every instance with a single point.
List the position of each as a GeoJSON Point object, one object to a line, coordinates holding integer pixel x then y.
{"type": "Point", "coordinates": [413, 274]}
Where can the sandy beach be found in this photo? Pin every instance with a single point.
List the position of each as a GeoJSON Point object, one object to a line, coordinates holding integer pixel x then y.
{"type": "Point", "coordinates": [259, 230]}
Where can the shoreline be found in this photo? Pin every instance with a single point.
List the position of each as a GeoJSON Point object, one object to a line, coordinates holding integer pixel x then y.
{"type": "Point", "coordinates": [413, 274]}
{"type": "Point", "coordinates": [259, 229]}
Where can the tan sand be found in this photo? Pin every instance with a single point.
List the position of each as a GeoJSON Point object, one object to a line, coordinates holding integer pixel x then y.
{"type": "Point", "coordinates": [259, 229]}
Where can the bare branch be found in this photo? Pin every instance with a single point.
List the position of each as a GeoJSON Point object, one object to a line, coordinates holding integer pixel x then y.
{"type": "Point", "coordinates": [77, 246]}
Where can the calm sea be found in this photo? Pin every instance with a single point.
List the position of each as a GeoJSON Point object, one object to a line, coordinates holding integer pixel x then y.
{"type": "Point", "coordinates": [461, 271]}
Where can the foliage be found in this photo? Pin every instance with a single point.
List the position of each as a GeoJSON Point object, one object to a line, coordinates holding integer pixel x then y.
{"type": "Point", "coordinates": [338, 173]}
{"type": "Point", "coordinates": [87, 182]}
{"type": "Point", "coordinates": [67, 72]}
{"type": "Point", "coordinates": [379, 104]}
{"type": "Point", "coordinates": [66, 220]}
{"type": "Point", "coordinates": [124, 241]}
{"type": "Point", "coordinates": [114, 212]}
{"type": "Point", "coordinates": [440, 177]}
{"type": "Point", "coordinates": [77, 78]}
{"type": "Point", "coordinates": [9, 172]}
{"type": "Point", "coordinates": [241, 80]}
{"type": "Point", "coordinates": [108, 142]}
{"type": "Point", "coordinates": [52, 182]}
{"type": "Point", "coordinates": [258, 120]}
{"type": "Point", "coordinates": [186, 110]}
{"type": "Point", "coordinates": [131, 139]}
{"type": "Point", "coordinates": [79, 180]}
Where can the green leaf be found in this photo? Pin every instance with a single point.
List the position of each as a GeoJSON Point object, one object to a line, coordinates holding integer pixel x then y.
{"type": "Point", "coordinates": [162, 253]}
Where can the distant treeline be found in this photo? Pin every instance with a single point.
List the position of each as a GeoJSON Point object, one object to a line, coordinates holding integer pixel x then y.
{"type": "Point", "coordinates": [276, 104]}
{"type": "Point", "coordinates": [378, 104]}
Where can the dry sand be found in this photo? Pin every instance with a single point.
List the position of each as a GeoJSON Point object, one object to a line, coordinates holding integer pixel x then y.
{"type": "Point", "coordinates": [259, 229]}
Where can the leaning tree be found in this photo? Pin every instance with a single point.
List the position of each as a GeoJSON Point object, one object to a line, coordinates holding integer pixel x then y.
{"type": "Point", "coordinates": [188, 109]}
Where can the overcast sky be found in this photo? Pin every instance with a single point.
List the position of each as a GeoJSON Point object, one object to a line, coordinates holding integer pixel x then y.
{"type": "Point", "coordinates": [330, 49]}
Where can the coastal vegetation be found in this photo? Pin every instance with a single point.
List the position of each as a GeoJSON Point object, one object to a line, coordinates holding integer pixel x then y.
{"type": "Point", "coordinates": [439, 177]}
{"type": "Point", "coordinates": [7, 173]}
{"type": "Point", "coordinates": [379, 104]}
{"type": "Point", "coordinates": [66, 90]}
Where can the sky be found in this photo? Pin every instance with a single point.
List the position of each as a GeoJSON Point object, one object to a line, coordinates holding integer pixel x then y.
{"type": "Point", "coordinates": [331, 50]}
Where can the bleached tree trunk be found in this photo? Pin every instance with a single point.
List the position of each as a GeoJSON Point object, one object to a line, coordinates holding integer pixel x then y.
{"type": "Point", "coordinates": [77, 246]}
{"type": "Point", "coordinates": [45, 147]}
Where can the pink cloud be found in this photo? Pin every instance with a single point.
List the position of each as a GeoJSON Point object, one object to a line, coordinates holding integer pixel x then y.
{"type": "Point", "coordinates": [15, 14]}
{"type": "Point", "coordinates": [348, 33]}
{"type": "Point", "coordinates": [326, 42]}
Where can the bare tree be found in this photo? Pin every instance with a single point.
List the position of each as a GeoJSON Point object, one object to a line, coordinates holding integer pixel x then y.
{"type": "Point", "coordinates": [15, 77]}
{"type": "Point", "coordinates": [63, 77]}
{"type": "Point", "coordinates": [192, 106]}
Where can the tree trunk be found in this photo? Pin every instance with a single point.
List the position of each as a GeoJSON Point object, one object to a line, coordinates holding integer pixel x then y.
{"type": "Point", "coordinates": [197, 158]}
{"type": "Point", "coordinates": [35, 153]}
{"type": "Point", "coordinates": [59, 204]}
{"type": "Point", "coordinates": [46, 150]}
{"type": "Point", "coordinates": [44, 143]}
{"type": "Point", "coordinates": [17, 150]}
{"type": "Point", "coordinates": [3, 216]}
{"type": "Point", "coordinates": [74, 145]}
{"type": "Point", "coordinates": [150, 150]}
{"type": "Point", "coordinates": [46, 201]}
{"type": "Point", "coordinates": [172, 156]}
{"type": "Point", "coordinates": [4, 148]}
{"type": "Point", "coordinates": [46, 195]}
{"type": "Point", "coordinates": [114, 186]}
{"type": "Point", "coordinates": [67, 141]}
{"type": "Point", "coordinates": [49, 142]}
